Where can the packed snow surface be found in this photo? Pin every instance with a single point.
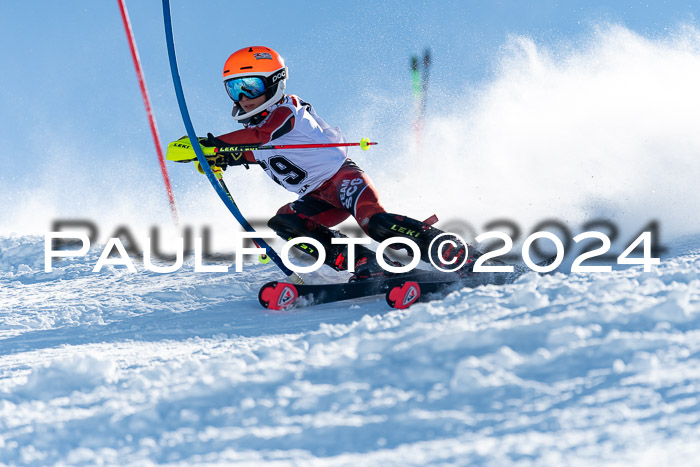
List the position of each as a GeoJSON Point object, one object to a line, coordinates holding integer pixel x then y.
{"type": "Point", "coordinates": [181, 368]}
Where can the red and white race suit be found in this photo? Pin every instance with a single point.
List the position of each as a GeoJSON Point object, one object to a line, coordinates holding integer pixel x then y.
{"type": "Point", "coordinates": [330, 186]}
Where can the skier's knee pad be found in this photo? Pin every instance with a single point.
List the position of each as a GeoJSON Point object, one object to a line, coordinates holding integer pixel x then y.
{"type": "Point", "coordinates": [288, 226]}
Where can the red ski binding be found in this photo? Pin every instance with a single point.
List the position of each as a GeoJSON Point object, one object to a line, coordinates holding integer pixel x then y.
{"type": "Point", "coordinates": [278, 295]}
{"type": "Point", "coordinates": [404, 295]}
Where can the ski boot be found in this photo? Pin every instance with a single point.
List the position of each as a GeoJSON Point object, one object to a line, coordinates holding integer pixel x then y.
{"type": "Point", "coordinates": [367, 267]}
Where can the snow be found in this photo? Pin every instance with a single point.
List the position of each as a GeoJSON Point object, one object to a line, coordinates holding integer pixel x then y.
{"type": "Point", "coordinates": [183, 368]}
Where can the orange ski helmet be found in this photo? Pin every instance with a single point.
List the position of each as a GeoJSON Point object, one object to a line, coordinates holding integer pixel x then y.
{"type": "Point", "coordinates": [254, 71]}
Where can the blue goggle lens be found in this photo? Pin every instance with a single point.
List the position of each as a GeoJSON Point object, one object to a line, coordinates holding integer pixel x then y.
{"type": "Point", "coordinates": [251, 87]}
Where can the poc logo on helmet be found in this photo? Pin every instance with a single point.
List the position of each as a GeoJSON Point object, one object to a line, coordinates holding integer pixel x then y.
{"type": "Point", "coordinates": [262, 56]}
{"type": "Point", "coordinates": [280, 75]}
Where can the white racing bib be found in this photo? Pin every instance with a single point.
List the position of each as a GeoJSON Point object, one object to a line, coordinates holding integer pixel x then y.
{"type": "Point", "coordinates": [303, 170]}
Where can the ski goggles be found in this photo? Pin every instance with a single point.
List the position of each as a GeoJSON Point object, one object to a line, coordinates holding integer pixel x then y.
{"type": "Point", "coordinates": [250, 86]}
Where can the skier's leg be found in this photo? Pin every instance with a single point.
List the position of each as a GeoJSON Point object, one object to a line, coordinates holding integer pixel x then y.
{"type": "Point", "coordinates": [288, 224]}
{"type": "Point", "coordinates": [353, 190]}
{"type": "Point", "coordinates": [358, 195]}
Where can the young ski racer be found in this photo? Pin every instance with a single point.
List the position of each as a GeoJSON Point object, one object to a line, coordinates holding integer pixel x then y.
{"type": "Point", "coordinates": [330, 186]}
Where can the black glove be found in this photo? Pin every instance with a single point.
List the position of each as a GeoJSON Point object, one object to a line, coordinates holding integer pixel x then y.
{"type": "Point", "coordinates": [213, 141]}
{"type": "Point", "coordinates": [224, 159]}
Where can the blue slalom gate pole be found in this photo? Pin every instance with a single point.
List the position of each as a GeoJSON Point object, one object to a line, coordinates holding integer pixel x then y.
{"type": "Point", "coordinates": [225, 197]}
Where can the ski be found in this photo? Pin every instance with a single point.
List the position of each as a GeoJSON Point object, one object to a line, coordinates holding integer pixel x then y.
{"type": "Point", "coordinates": [277, 295]}
{"type": "Point", "coordinates": [408, 292]}
{"type": "Point", "coordinates": [401, 290]}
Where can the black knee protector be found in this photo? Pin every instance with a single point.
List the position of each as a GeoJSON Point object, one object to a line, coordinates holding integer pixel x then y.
{"type": "Point", "coordinates": [290, 226]}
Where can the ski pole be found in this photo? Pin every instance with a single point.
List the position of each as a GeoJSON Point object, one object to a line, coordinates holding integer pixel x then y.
{"type": "Point", "coordinates": [263, 258]}
{"type": "Point", "coordinates": [364, 143]}
{"type": "Point", "coordinates": [182, 150]}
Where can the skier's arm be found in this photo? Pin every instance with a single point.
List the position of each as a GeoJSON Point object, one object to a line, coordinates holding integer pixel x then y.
{"type": "Point", "coordinates": [229, 158]}
{"type": "Point", "coordinates": [280, 122]}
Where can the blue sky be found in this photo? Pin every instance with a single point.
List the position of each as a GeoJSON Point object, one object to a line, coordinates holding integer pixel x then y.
{"type": "Point", "coordinates": [68, 85]}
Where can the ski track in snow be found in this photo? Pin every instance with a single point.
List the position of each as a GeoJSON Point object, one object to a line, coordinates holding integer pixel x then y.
{"type": "Point", "coordinates": [181, 368]}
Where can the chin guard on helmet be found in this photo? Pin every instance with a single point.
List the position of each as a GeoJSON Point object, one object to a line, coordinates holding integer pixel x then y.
{"type": "Point", "coordinates": [249, 118]}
